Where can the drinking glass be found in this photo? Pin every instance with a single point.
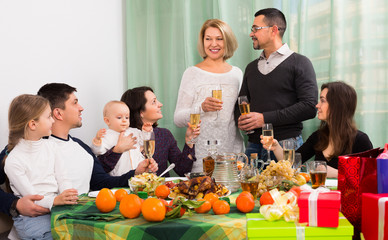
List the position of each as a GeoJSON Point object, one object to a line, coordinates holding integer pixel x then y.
{"type": "Point", "coordinates": [243, 104]}
{"type": "Point", "coordinates": [217, 93]}
{"type": "Point", "coordinates": [195, 116]}
{"type": "Point", "coordinates": [149, 144]}
{"type": "Point", "coordinates": [268, 138]}
{"type": "Point", "coordinates": [318, 173]}
{"type": "Point", "coordinates": [297, 162]}
{"type": "Point", "coordinates": [289, 151]}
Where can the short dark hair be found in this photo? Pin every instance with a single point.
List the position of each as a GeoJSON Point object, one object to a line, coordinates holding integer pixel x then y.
{"type": "Point", "coordinates": [136, 101]}
{"type": "Point", "coordinates": [273, 16]}
{"type": "Point", "coordinates": [56, 93]}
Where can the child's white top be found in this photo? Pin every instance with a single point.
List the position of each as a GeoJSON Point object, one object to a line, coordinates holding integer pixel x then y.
{"type": "Point", "coordinates": [33, 167]}
{"type": "Point", "coordinates": [129, 159]}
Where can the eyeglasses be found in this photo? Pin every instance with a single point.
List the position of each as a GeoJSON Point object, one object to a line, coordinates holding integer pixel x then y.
{"type": "Point", "coordinates": [255, 29]}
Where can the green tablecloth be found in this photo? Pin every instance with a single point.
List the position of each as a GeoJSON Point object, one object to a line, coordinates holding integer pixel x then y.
{"type": "Point", "coordinates": [84, 221]}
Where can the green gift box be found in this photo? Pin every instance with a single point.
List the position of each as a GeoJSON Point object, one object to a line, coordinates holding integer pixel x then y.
{"type": "Point", "coordinates": [259, 228]}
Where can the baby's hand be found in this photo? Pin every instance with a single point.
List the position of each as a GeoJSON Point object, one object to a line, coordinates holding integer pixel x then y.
{"type": "Point", "coordinates": [147, 127]}
{"type": "Point", "coordinates": [100, 134]}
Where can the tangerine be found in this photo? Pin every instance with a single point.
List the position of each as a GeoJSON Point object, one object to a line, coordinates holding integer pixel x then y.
{"type": "Point", "coordinates": [221, 207]}
{"type": "Point", "coordinates": [246, 193]}
{"type": "Point", "coordinates": [153, 210]}
{"type": "Point", "coordinates": [105, 200]}
{"type": "Point", "coordinates": [211, 197]}
{"type": "Point", "coordinates": [119, 194]}
{"type": "Point", "coordinates": [130, 206]}
{"type": "Point", "coordinates": [162, 191]}
{"type": "Point", "coordinates": [306, 176]}
{"type": "Point", "coordinates": [205, 207]}
{"type": "Point", "coordinates": [245, 203]}
{"type": "Point", "coordinates": [266, 199]}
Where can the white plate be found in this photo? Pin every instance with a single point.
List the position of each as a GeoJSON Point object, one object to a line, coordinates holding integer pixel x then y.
{"type": "Point", "coordinates": [175, 178]}
{"type": "Point", "coordinates": [95, 193]}
{"type": "Point", "coordinates": [331, 183]}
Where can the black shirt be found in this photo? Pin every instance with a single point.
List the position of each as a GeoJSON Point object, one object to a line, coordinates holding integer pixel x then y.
{"type": "Point", "coordinates": [286, 96]}
{"type": "Point", "coordinates": [361, 144]}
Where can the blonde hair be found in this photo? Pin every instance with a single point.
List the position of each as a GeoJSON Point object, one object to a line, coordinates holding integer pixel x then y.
{"type": "Point", "coordinates": [23, 109]}
{"type": "Point", "coordinates": [227, 34]}
{"type": "Point", "coordinates": [110, 104]}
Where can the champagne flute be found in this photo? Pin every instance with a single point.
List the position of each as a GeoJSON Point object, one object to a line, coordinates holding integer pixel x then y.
{"type": "Point", "coordinates": [268, 138]}
{"type": "Point", "coordinates": [195, 117]}
{"type": "Point", "coordinates": [289, 151]}
{"type": "Point", "coordinates": [297, 162]}
{"type": "Point", "coordinates": [149, 144]}
{"type": "Point", "coordinates": [217, 93]}
{"type": "Point", "coordinates": [243, 104]}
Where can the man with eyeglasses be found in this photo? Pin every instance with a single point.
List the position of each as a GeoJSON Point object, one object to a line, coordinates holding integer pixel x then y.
{"type": "Point", "coordinates": [280, 85]}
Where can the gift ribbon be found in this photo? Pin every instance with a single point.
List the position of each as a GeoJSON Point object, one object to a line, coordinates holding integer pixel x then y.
{"type": "Point", "coordinates": [313, 205]}
{"type": "Point", "coordinates": [382, 202]}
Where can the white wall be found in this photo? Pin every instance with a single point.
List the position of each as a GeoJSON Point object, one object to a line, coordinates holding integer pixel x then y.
{"type": "Point", "coordinates": [78, 42]}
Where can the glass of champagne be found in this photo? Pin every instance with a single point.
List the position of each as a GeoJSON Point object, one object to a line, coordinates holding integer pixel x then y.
{"type": "Point", "coordinates": [318, 173]}
{"type": "Point", "coordinates": [217, 93]}
{"type": "Point", "coordinates": [149, 144]}
{"type": "Point", "coordinates": [289, 151]}
{"type": "Point", "coordinates": [195, 117]}
{"type": "Point", "coordinates": [268, 138]}
{"type": "Point", "coordinates": [243, 104]}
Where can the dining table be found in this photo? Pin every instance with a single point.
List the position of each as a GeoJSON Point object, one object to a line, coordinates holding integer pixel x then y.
{"type": "Point", "coordinates": [85, 221]}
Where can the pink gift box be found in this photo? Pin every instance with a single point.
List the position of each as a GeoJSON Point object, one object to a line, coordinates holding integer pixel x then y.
{"type": "Point", "coordinates": [319, 209]}
{"type": "Point", "coordinates": [374, 218]}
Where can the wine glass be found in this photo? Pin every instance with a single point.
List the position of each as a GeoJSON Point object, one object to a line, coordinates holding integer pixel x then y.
{"type": "Point", "coordinates": [149, 144]}
{"type": "Point", "coordinates": [195, 116]}
{"type": "Point", "coordinates": [289, 151]}
{"type": "Point", "coordinates": [297, 162]}
{"type": "Point", "coordinates": [268, 138]}
{"type": "Point", "coordinates": [217, 93]}
{"type": "Point", "coordinates": [243, 104]}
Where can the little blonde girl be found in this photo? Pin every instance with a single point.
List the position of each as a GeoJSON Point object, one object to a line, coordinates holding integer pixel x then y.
{"type": "Point", "coordinates": [116, 117]}
{"type": "Point", "coordinates": [32, 166]}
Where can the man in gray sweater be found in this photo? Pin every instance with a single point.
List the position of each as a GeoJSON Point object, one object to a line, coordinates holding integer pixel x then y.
{"type": "Point", "coordinates": [280, 85]}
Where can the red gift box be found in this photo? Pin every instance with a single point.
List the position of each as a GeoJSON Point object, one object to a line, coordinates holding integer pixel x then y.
{"type": "Point", "coordinates": [319, 209]}
{"type": "Point", "coordinates": [374, 220]}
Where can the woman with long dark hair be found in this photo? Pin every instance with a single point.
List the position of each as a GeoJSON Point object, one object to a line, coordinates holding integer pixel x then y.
{"type": "Point", "coordinates": [337, 134]}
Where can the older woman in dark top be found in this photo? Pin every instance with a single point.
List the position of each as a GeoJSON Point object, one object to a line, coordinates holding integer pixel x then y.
{"type": "Point", "coordinates": [338, 134]}
{"type": "Point", "coordinates": [145, 108]}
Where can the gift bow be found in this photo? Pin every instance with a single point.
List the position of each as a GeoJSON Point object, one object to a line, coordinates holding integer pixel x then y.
{"type": "Point", "coordinates": [284, 205]}
{"type": "Point", "coordinates": [382, 202]}
{"type": "Point", "coordinates": [313, 205]}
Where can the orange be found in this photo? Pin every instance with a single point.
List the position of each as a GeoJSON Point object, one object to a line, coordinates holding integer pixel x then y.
{"type": "Point", "coordinates": [246, 193]}
{"type": "Point", "coordinates": [205, 207]}
{"type": "Point", "coordinates": [105, 200]}
{"type": "Point", "coordinates": [130, 206]}
{"type": "Point", "coordinates": [266, 199]}
{"type": "Point", "coordinates": [245, 203]}
{"type": "Point", "coordinates": [211, 197]}
{"type": "Point", "coordinates": [119, 194]}
{"type": "Point", "coordinates": [162, 191]}
{"type": "Point", "coordinates": [153, 210]}
{"type": "Point", "coordinates": [221, 207]}
{"type": "Point", "coordinates": [165, 204]}
{"type": "Point", "coordinates": [305, 175]}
